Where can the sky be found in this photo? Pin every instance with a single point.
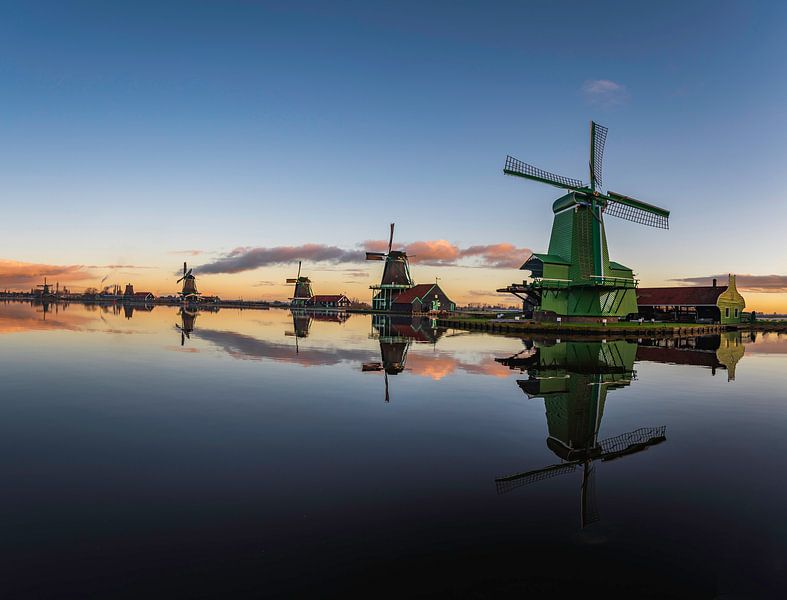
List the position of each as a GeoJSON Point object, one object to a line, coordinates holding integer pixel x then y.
{"type": "Point", "coordinates": [242, 136]}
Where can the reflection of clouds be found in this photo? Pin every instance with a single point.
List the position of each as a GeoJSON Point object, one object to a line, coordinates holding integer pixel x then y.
{"type": "Point", "coordinates": [439, 365]}
{"type": "Point", "coordinates": [15, 318]}
{"type": "Point", "coordinates": [768, 343]}
{"type": "Point", "coordinates": [242, 346]}
{"type": "Point", "coordinates": [436, 366]}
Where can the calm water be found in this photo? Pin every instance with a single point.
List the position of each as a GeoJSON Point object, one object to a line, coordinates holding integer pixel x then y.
{"type": "Point", "coordinates": [257, 454]}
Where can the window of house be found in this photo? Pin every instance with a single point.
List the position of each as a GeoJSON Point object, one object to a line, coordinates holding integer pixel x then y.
{"type": "Point", "coordinates": [727, 312]}
{"type": "Point", "coordinates": [736, 312]}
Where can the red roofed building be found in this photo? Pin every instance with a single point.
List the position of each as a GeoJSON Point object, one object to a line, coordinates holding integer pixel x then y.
{"type": "Point", "coordinates": [422, 298]}
{"type": "Point", "coordinates": [708, 303]}
{"type": "Point", "coordinates": [144, 296]}
{"type": "Point", "coordinates": [328, 301]}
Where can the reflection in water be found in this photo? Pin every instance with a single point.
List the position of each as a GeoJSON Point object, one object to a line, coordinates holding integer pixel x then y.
{"type": "Point", "coordinates": [188, 316]}
{"type": "Point", "coordinates": [713, 351]}
{"type": "Point", "coordinates": [395, 334]}
{"type": "Point", "coordinates": [573, 378]}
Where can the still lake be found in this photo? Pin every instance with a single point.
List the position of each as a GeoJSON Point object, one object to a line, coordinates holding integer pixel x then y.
{"type": "Point", "coordinates": [265, 454]}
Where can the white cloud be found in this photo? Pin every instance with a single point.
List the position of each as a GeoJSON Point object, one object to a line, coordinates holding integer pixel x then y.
{"type": "Point", "coordinates": [604, 92]}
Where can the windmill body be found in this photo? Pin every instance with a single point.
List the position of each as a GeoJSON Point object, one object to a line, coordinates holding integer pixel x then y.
{"type": "Point", "coordinates": [396, 276]}
{"type": "Point", "coordinates": [188, 292]}
{"type": "Point", "coordinates": [576, 279]}
{"type": "Point", "coordinates": [303, 289]}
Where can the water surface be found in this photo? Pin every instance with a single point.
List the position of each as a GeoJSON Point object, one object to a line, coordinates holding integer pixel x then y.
{"type": "Point", "coordinates": [265, 454]}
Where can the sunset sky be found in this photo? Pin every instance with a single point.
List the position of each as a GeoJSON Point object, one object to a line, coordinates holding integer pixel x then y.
{"type": "Point", "coordinates": [242, 136]}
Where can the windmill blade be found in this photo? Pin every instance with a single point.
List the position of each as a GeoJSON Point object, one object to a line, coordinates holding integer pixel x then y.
{"type": "Point", "coordinates": [292, 280]}
{"type": "Point", "coordinates": [521, 169]}
{"type": "Point", "coordinates": [637, 211]}
{"type": "Point", "coordinates": [188, 274]}
{"type": "Point", "coordinates": [375, 256]}
{"type": "Point", "coordinates": [598, 137]}
{"type": "Point", "coordinates": [390, 240]}
{"type": "Point", "coordinates": [299, 269]}
{"type": "Point", "coordinates": [589, 505]}
{"type": "Point", "coordinates": [181, 279]}
{"type": "Point", "coordinates": [631, 442]}
{"type": "Point", "coordinates": [511, 482]}
{"type": "Point", "coordinates": [184, 268]}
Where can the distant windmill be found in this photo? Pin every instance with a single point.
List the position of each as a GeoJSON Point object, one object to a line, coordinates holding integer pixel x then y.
{"type": "Point", "coordinates": [303, 289]}
{"type": "Point", "coordinates": [189, 291]}
{"type": "Point", "coordinates": [46, 289]}
{"type": "Point", "coordinates": [576, 278]}
{"type": "Point", "coordinates": [396, 276]}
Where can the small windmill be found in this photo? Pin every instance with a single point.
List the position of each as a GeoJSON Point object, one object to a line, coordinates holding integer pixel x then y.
{"type": "Point", "coordinates": [189, 291]}
{"type": "Point", "coordinates": [46, 289]}
{"type": "Point", "coordinates": [303, 289]}
{"type": "Point", "coordinates": [396, 276]}
{"type": "Point", "coordinates": [576, 277]}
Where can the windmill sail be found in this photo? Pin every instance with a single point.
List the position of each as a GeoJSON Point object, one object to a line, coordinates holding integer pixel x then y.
{"type": "Point", "coordinates": [518, 168]}
{"type": "Point", "coordinates": [511, 482]}
{"type": "Point", "coordinates": [631, 209]}
{"type": "Point", "coordinates": [598, 137]}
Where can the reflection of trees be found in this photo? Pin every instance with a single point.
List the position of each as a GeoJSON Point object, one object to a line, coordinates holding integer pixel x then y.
{"type": "Point", "coordinates": [574, 378]}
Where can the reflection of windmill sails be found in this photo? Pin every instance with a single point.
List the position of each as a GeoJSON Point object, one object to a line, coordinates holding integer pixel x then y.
{"type": "Point", "coordinates": [395, 335]}
{"type": "Point", "coordinates": [301, 323]}
{"type": "Point", "coordinates": [573, 379]}
{"type": "Point", "coordinates": [186, 326]}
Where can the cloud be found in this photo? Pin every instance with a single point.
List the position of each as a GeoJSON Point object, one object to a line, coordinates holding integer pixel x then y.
{"type": "Point", "coordinates": [187, 252]}
{"type": "Point", "coordinates": [429, 252]}
{"type": "Point", "coordinates": [604, 92]}
{"type": "Point", "coordinates": [765, 284]}
{"type": "Point", "coordinates": [266, 284]}
{"type": "Point", "coordinates": [247, 259]}
{"type": "Point", "coordinates": [444, 253]}
{"type": "Point", "coordinates": [499, 256]}
{"type": "Point", "coordinates": [15, 273]}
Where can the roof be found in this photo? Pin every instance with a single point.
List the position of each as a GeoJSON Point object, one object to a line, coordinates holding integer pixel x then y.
{"type": "Point", "coordinates": [417, 291]}
{"type": "Point", "coordinates": [552, 259]}
{"type": "Point", "coordinates": [706, 295]}
{"type": "Point", "coordinates": [143, 294]}
{"type": "Point", "coordinates": [617, 266]}
{"type": "Point", "coordinates": [327, 297]}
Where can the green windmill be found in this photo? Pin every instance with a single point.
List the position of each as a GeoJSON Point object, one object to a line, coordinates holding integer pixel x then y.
{"type": "Point", "coordinates": [576, 279]}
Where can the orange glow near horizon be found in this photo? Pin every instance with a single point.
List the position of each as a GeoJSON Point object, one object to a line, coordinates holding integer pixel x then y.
{"type": "Point", "coordinates": [465, 285]}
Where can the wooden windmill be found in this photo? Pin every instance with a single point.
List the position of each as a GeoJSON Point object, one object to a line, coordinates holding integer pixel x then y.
{"type": "Point", "coordinates": [396, 276]}
{"type": "Point", "coordinates": [576, 278]}
{"type": "Point", "coordinates": [303, 289]}
{"type": "Point", "coordinates": [573, 378]}
{"type": "Point", "coordinates": [189, 291]}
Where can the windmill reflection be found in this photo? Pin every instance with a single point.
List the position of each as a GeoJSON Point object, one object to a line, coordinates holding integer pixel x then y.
{"type": "Point", "coordinates": [574, 378]}
{"type": "Point", "coordinates": [187, 319]}
{"type": "Point", "coordinates": [395, 335]}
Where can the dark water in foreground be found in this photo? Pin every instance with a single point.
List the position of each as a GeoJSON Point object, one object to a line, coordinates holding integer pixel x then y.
{"type": "Point", "coordinates": [250, 454]}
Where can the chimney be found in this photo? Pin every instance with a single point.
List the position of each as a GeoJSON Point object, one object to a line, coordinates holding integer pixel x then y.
{"type": "Point", "coordinates": [714, 282]}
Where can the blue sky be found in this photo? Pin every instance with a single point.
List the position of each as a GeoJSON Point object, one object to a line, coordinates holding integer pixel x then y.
{"type": "Point", "coordinates": [129, 130]}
